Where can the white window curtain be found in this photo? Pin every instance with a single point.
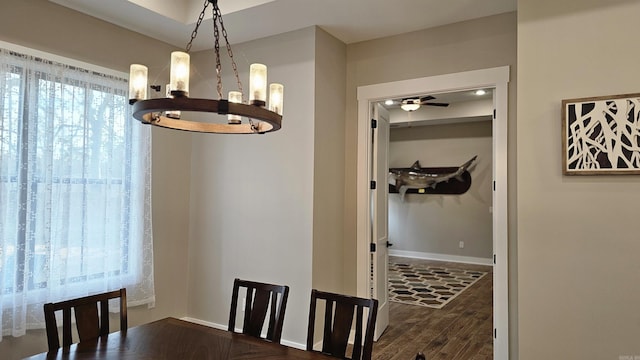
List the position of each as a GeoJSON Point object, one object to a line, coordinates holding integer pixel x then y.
{"type": "Point", "coordinates": [75, 188]}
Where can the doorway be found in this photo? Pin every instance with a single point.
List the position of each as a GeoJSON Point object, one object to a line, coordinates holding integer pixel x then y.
{"type": "Point", "coordinates": [496, 78]}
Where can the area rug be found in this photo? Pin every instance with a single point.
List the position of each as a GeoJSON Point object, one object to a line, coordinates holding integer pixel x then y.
{"type": "Point", "coordinates": [426, 285]}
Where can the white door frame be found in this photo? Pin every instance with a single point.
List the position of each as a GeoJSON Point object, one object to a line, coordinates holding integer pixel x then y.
{"type": "Point", "coordinates": [497, 78]}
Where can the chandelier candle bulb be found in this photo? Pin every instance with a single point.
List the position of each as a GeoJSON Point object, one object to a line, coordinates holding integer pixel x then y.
{"type": "Point", "coordinates": [138, 75]}
{"type": "Point", "coordinates": [235, 97]}
{"type": "Point", "coordinates": [258, 84]}
{"type": "Point", "coordinates": [179, 76]}
{"type": "Point", "coordinates": [276, 98]}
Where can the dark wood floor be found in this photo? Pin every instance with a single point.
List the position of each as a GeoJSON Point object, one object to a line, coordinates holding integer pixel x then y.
{"type": "Point", "coordinates": [460, 330]}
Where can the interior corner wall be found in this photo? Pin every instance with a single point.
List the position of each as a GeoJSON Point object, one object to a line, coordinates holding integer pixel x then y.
{"type": "Point", "coordinates": [252, 195]}
{"type": "Point", "coordinates": [471, 45]}
{"type": "Point", "coordinates": [433, 225]}
{"type": "Point", "coordinates": [45, 26]}
{"type": "Point", "coordinates": [328, 192]}
{"type": "Point", "coordinates": [578, 241]}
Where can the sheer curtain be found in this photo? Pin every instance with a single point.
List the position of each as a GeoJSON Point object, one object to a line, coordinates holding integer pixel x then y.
{"type": "Point", "coordinates": [75, 188]}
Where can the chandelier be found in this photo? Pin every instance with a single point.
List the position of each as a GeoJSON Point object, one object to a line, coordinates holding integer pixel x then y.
{"type": "Point", "coordinates": [167, 112]}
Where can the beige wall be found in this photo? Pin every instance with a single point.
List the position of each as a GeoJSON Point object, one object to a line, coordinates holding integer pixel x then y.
{"type": "Point", "coordinates": [42, 25]}
{"type": "Point", "coordinates": [477, 44]}
{"type": "Point", "coordinates": [328, 192]}
{"type": "Point", "coordinates": [433, 223]}
{"type": "Point", "coordinates": [252, 201]}
{"type": "Point", "coordinates": [578, 241]}
{"type": "Point", "coordinates": [269, 208]}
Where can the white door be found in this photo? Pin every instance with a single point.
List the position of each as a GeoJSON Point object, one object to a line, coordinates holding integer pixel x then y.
{"type": "Point", "coordinates": [380, 216]}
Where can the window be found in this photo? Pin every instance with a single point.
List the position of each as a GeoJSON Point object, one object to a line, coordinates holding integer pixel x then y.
{"type": "Point", "coordinates": [74, 188]}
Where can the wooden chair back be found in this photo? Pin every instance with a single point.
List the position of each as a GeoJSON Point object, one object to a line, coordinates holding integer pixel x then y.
{"type": "Point", "coordinates": [260, 297]}
{"type": "Point", "coordinates": [88, 324]}
{"type": "Point", "coordinates": [338, 321]}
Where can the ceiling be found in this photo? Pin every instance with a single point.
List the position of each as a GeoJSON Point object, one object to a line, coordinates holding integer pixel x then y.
{"type": "Point", "coordinates": [451, 98]}
{"type": "Point", "coordinates": [351, 21]}
{"type": "Point", "coordinates": [464, 106]}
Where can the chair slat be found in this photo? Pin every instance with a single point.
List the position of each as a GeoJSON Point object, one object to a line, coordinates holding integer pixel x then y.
{"type": "Point", "coordinates": [66, 327]}
{"type": "Point", "coordinates": [104, 317]}
{"type": "Point", "coordinates": [311, 323]}
{"type": "Point", "coordinates": [357, 341]}
{"type": "Point", "coordinates": [258, 313]}
{"type": "Point", "coordinates": [327, 339]}
{"type": "Point", "coordinates": [248, 309]}
{"type": "Point", "coordinates": [52, 326]}
{"type": "Point", "coordinates": [272, 316]}
{"type": "Point", "coordinates": [87, 321]}
{"type": "Point", "coordinates": [342, 321]}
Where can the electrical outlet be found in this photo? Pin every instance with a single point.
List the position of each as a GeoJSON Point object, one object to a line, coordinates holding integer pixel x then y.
{"type": "Point", "coordinates": [461, 244]}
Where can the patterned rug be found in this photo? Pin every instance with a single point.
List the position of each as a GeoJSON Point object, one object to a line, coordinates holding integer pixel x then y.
{"type": "Point", "coordinates": [427, 285]}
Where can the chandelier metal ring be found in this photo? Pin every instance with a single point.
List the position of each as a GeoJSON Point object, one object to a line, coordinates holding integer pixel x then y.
{"type": "Point", "coordinates": [152, 111]}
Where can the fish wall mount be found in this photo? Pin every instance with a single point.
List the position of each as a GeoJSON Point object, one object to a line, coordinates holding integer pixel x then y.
{"type": "Point", "coordinates": [430, 180]}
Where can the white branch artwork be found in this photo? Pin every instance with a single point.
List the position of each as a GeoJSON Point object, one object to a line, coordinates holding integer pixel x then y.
{"type": "Point", "coordinates": [602, 135]}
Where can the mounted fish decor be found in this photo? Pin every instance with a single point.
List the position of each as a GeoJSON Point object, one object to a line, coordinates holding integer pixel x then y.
{"type": "Point", "coordinates": [419, 180]}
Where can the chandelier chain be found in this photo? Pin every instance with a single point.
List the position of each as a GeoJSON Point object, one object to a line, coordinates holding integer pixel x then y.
{"type": "Point", "coordinates": [194, 33]}
{"type": "Point", "coordinates": [228, 45]}
{"type": "Point", "coordinates": [216, 49]}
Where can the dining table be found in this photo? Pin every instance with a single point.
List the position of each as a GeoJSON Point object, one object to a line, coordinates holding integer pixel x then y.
{"type": "Point", "coordinates": [172, 338]}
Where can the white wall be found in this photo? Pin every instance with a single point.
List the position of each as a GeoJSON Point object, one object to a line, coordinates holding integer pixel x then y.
{"type": "Point", "coordinates": [252, 195]}
{"type": "Point", "coordinates": [434, 223]}
{"type": "Point", "coordinates": [578, 241]}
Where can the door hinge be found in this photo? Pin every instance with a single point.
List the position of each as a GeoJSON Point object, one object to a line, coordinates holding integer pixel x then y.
{"type": "Point", "coordinates": [374, 123]}
{"type": "Point", "coordinates": [494, 259]}
{"type": "Point", "coordinates": [495, 333]}
{"type": "Point", "coordinates": [494, 114]}
{"type": "Point", "coordinates": [494, 185]}
{"type": "Point", "coordinates": [373, 247]}
{"type": "Point", "coordinates": [372, 185]}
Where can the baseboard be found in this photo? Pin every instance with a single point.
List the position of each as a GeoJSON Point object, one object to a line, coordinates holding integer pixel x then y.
{"type": "Point", "coordinates": [441, 257]}
{"type": "Point", "coordinates": [224, 327]}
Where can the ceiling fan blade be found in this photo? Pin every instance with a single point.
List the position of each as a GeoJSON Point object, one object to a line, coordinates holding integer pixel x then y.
{"type": "Point", "coordinates": [426, 98]}
{"type": "Point", "coordinates": [437, 104]}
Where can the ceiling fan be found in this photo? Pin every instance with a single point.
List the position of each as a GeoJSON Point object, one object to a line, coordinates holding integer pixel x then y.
{"type": "Point", "coordinates": [413, 104]}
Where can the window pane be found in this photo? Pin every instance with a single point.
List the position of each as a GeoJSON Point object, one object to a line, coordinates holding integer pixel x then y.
{"type": "Point", "coordinates": [74, 198]}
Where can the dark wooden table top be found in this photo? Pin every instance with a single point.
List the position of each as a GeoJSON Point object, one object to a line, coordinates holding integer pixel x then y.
{"type": "Point", "coordinates": [174, 339]}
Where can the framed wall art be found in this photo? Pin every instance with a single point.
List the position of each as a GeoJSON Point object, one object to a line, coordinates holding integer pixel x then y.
{"type": "Point", "coordinates": [601, 135]}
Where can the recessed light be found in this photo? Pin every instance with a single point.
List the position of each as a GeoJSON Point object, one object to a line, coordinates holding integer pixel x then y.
{"type": "Point", "coordinates": [388, 102]}
{"type": "Point", "coordinates": [480, 92]}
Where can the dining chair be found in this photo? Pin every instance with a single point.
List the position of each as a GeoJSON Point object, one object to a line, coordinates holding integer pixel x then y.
{"type": "Point", "coordinates": [88, 324]}
{"type": "Point", "coordinates": [339, 313]}
{"type": "Point", "coordinates": [260, 298]}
